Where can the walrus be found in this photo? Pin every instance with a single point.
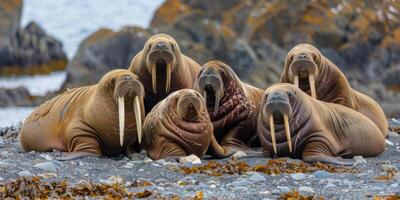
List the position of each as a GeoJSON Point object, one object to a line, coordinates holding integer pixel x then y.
{"type": "Point", "coordinates": [292, 123]}
{"type": "Point", "coordinates": [233, 107]}
{"type": "Point", "coordinates": [163, 69]}
{"type": "Point", "coordinates": [101, 119]}
{"type": "Point", "coordinates": [316, 75]}
{"type": "Point", "coordinates": [178, 126]}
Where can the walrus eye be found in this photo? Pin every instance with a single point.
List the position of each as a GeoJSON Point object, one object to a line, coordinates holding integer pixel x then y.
{"type": "Point", "coordinates": [289, 94]}
{"type": "Point", "coordinates": [149, 46]}
{"type": "Point", "coordinates": [172, 46]}
{"type": "Point", "coordinates": [126, 78]}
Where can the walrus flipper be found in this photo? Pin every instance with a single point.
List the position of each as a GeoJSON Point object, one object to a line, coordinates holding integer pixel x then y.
{"type": "Point", "coordinates": [326, 159]}
{"type": "Point", "coordinates": [75, 155]}
{"type": "Point", "coordinates": [219, 151]}
{"type": "Point", "coordinates": [82, 146]}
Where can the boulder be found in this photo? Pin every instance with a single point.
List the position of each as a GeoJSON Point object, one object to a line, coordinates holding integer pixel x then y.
{"type": "Point", "coordinates": [15, 97]}
{"type": "Point", "coordinates": [103, 51]}
{"type": "Point", "coordinates": [29, 50]}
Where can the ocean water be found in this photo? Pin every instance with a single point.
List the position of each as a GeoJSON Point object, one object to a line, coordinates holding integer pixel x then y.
{"type": "Point", "coordinates": [70, 21]}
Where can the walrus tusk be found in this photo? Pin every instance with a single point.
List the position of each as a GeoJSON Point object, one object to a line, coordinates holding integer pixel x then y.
{"type": "Point", "coordinates": [287, 130]}
{"type": "Point", "coordinates": [296, 80]}
{"type": "Point", "coordinates": [136, 107]}
{"type": "Point", "coordinates": [271, 125]}
{"type": "Point", "coordinates": [121, 112]}
{"type": "Point", "coordinates": [168, 80]}
{"type": "Point", "coordinates": [154, 78]}
{"type": "Point", "coordinates": [312, 85]}
{"type": "Point", "coordinates": [216, 105]}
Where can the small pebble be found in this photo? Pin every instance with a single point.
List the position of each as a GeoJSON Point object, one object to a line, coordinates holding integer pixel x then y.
{"type": "Point", "coordinates": [298, 176]}
{"type": "Point", "coordinates": [25, 173]}
{"type": "Point", "coordinates": [213, 186]}
{"type": "Point", "coordinates": [306, 189]}
{"type": "Point", "coordinates": [256, 177]}
{"type": "Point", "coordinates": [320, 174]}
{"type": "Point", "coordinates": [190, 159]}
{"type": "Point", "coordinates": [46, 166]}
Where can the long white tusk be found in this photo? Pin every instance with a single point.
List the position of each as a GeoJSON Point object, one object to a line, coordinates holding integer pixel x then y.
{"type": "Point", "coordinates": [287, 130]}
{"type": "Point", "coordinates": [154, 78]}
{"type": "Point", "coordinates": [205, 96]}
{"type": "Point", "coordinates": [312, 85]}
{"type": "Point", "coordinates": [296, 80]}
{"type": "Point", "coordinates": [136, 107]}
{"type": "Point", "coordinates": [121, 112]}
{"type": "Point", "coordinates": [216, 104]}
{"type": "Point", "coordinates": [271, 125]}
{"type": "Point", "coordinates": [168, 80]}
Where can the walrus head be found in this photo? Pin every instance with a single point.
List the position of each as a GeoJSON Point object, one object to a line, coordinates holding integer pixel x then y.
{"type": "Point", "coordinates": [302, 66]}
{"type": "Point", "coordinates": [189, 106]}
{"type": "Point", "coordinates": [215, 81]}
{"type": "Point", "coordinates": [277, 110]}
{"type": "Point", "coordinates": [162, 56]}
{"type": "Point", "coordinates": [125, 87]}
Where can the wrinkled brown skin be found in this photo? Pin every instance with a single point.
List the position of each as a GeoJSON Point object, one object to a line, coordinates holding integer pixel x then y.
{"type": "Point", "coordinates": [320, 131]}
{"type": "Point", "coordinates": [167, 135]}
{"type": "Point", "coordinates": [184, 70]}
{"type": "Point", "coordinates": [332, 86]}
{"type": "Point", "coordinates": [235, 125]}
{"type": "Point", "coordinates": [84, 121]}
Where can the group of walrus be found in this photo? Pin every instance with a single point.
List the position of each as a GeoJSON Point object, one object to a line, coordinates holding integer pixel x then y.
{"type": "Point", "coordinates": [172, 107]}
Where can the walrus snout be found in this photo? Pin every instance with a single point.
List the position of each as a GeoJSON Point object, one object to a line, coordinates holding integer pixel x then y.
{"type": "Point", "coordinates": [211, 85]}
{"type": "Point", "coordinates": [161, 60]}
{"type": "Point", "coordinates": [277, 109]}
{"type": "Point", "coordinates": [128, 87]}
{"type": "Point", "coordinates": [188, 107]}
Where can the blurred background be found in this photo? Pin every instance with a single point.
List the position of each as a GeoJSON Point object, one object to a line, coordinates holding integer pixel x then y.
{"type": "Point", "coordinates": [48, 46]}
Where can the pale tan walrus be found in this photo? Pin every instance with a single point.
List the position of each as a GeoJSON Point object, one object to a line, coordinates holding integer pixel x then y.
{"type": "Point", "coordinates": [316, 75]}
{"type": "Point", "coordinates": [102, 119]}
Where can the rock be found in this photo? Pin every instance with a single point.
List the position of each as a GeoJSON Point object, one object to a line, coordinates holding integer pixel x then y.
{"type": "Point", "coordinates": [212, 186]}
{"type": "Point", "coordinates": [19, 96]}
{"type": "Point", "coordinates": [48, 175]}
{"type": "Point", "coordinates": [284, 189]}
{"type": "Point", "coordinates": [103, 51]}
{"type": "Point", "coordinates": [29, 50]}
{"type": "Point", "coordinates": [238, 154]}
{"type": "Point", "coordinates": [275, 192]}
{"type": "Point", "coordinates": [394, 185]}
{"type": "Point", "coordinates": [115, 180]}
{"type": "Point", "coordinates": [240, 183]}
{"type": "Point", "coordinates": [46, 166]}
{"type": "Point", "coordinates": [359, 160]}
{"type": "Point", "coordinates": [389, 167]}
{"type": "Point", "coordinates": [4, 154]}
{"type": "Point", "coordinates": [298, 176]}
{"type": "Point", "coordinates": [25, 173]}
{"type": "Point", "coordinates": [192, 159]}
{"type": "Point", "coordinates": [329, 185]}
{"type": "Point", "coordinates": [256, 177]}
{"type": "Point", "coordinates": [306, 189]}
{"type": "Point", "coordinates": [46, 156]}
{"type": "Point", "coordinates": [320, 174]}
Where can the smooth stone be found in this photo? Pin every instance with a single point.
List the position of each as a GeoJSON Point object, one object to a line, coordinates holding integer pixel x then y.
{"type": "Point", "coordinates": [240, 183]}
{"type": "Point", "coordinates": [284, 189]}
{"type": "Point", "coordinates": [298, 176]}
{"type": "Point", "coordinates": [190, 159]}
{"type": "Point", "coordinates": [46, 166]}
{"type": "Point", "coordinates": [212, 186]}
{"type": "Point", "coordinates": [394, 185]}
{"type": "Point", "coordinates": [25, 173]}
{"type": "Point", "coordinates": [359, 160]}
{"type": "Point", "coordinates": [329, 185]}
{"type": "Point", "coordinates": [256, 177]}
{"type": "Point", "coordinates": [389, 167]}
{"type": "Point", "coordinates": [306, 189]}
{"type": "Point", "coordinates": [275, 192]}
{"type": "Point", "coordinates": [320, 174]}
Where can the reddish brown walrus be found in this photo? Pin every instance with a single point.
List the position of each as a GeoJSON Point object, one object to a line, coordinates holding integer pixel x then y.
{"type": "Point", "coordinates": [89, 121]}
{"type": "Point", "coordinates": [163, 69]}
{"type": "Point", "coordinates": [233, 107]}
{"type": "Point", "coordinates": [316, 75]}
{"type": "Point", "coordinates": [178, 126]}
{"type": "Point", "coordinates": [291, 123]}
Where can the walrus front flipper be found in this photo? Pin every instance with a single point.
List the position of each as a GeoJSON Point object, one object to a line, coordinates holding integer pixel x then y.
{"type": "Point", "coordinates": [219, 151]}
{"type": "Point", "coordinates": [75, 155]}
{"type": "Point", "coordinates": [326, 159]}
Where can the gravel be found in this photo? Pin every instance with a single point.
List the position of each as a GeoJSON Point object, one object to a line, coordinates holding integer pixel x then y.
{"type": "Point", "coordinates": [166, 180]}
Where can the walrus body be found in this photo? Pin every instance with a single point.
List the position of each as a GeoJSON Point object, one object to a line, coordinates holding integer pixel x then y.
{"type": "Point", "coordinates": [313, 73]}
{"type": "Point", "coordinates": [233, 107]}
{"type": "Point", "coordinates": [163, 69]}
{"type": "Point", "coordinates": [178, 126]}
{"type": "Point", "coordinates": [86, 121]}
{"type": "Point", "coordinates": [291, 123]}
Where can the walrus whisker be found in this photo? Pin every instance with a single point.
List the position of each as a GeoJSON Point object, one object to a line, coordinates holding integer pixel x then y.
{"type": "Point", "coordinates": [287, 130]}
{"type": "Point", "coordinates": [138, 117]}
{"type": "Point", "coordinates": [121, 113]}
{"type": "Point", "coordinates": [154, 78]}
{"type": "Point", "coordinates": [312, 85]}
{"type": "Point", "coordinates": [216, 105]}
{"type": "Point", "coordinates": [296, 80]}
{"type": "Point", "coordinates": [168, 80]}
{"type": "Point", "coordinates": [271, 125]}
